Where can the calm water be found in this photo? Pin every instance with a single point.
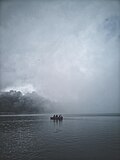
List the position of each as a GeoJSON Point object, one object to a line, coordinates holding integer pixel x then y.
{"type": "Point", "coordinates": [75, 138]}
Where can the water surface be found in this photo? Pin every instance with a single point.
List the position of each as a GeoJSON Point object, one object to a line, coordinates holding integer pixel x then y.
{"type": "Point", "coordinates": [74, 138]}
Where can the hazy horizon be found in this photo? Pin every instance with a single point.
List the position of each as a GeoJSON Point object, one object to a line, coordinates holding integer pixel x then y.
{"type": "Point", "coordinates": [67, 51]}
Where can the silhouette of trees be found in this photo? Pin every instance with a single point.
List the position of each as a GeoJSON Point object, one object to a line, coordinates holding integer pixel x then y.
{"type": "Point", "coordinates": [14, 102]}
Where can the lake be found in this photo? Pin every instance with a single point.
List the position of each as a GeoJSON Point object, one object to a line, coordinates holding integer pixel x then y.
{"type": "Point", "coordinates": [31, 137]}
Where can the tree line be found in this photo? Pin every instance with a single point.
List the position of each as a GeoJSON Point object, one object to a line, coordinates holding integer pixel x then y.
{"type": "Point", "coordinates": [14, 102]}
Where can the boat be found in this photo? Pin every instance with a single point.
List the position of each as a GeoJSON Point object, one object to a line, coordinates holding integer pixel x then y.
{"type": "Point", "coordinates": [56, 118]}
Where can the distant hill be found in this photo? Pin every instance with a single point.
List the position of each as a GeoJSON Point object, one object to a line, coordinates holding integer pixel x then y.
{"type": "Point", "coordinates": [14, 102]}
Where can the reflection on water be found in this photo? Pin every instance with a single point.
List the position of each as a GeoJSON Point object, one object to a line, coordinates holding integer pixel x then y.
{"type": "Point", "coordinates": [56, 122]}
{"type": "Point", "coordinates": [57, 125]}
{"type": "Point", "coordinates": [38, 137]}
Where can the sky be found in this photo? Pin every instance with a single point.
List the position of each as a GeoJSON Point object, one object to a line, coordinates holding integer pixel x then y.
{"type": "Point", "coordinates": [66, 50]}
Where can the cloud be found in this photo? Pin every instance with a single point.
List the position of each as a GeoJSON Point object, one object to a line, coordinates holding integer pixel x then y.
{"type": "Point", "coordinates": [28, 88]}
{"type": "Point", "coordinates": [67, 50]}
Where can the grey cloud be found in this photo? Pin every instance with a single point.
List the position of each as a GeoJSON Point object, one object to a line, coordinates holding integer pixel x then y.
{"type": "Point", "coordinates": [67, 50]}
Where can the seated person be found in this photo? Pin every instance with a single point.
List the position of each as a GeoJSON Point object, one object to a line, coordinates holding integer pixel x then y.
{"type": "Point", "coordinates": [60, 116]}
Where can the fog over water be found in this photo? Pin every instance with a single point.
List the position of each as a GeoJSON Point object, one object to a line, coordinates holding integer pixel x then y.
{"type": "Point", "coordinates": [66, 50]}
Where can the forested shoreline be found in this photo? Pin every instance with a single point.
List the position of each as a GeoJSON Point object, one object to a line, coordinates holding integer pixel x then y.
{"type": "Point", "coordinates": [14, 102]}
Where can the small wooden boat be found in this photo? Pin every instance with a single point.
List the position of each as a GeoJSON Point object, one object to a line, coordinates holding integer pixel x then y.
{"type": "Point", "coordinates": [56, 118]}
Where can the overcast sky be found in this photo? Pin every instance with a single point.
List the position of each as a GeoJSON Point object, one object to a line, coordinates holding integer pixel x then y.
{"type": "Point", "coordinates": [66, 50]}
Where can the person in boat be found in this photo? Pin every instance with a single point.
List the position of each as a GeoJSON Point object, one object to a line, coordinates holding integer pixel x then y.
{"type": "Point", "coordinates": [60, 116]}
{"type": "Point", "coordinates": [56, 116]}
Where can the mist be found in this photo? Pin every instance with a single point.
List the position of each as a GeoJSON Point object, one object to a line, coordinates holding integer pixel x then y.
{"type": "Point", "coordinates": [67, 51]}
